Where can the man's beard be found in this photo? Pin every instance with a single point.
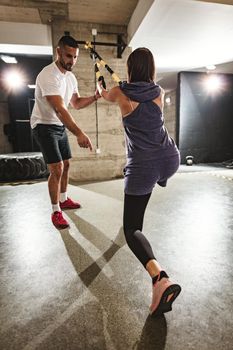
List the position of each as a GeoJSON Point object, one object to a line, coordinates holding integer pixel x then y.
{"type": "Point", "coordinates": [67, 66]}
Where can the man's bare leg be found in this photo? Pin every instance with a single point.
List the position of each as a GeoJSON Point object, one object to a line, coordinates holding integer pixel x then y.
{"type": "Point", "coordinates": [65, 176]}
{"type": "Point", "coordinates": [54, 181]}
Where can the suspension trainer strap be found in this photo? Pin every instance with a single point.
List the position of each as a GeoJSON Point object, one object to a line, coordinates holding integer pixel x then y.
{"type": "Point", "coordinates": [95, 54]}
{"type": "Point", "coordinates": [99, 77]}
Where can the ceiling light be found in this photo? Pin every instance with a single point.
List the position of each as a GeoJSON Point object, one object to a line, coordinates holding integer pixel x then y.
{"type": "Point", "coordinates": [211, 67]}
{"type": "Point", "coordinates": [8, 59]}
{"type": "Point", "coordinates": [26, 49]}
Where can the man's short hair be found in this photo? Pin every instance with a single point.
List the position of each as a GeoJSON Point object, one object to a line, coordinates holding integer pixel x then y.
{"type": "Point", "coordinates": [68, 41]}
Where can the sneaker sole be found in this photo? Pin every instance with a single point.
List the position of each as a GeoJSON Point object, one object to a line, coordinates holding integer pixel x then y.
{"type": "Point", "coordinates": [70, 208]}
{"type": "Point", "coordinates": [61, 227]}
{"type": "Point", "coordinates": [168, 296]}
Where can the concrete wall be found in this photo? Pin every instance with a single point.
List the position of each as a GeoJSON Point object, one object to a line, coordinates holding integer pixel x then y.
{"type": "Point", "coordinates": [109, 163]}
{"type": "Point", "coordinates": [170, 113]}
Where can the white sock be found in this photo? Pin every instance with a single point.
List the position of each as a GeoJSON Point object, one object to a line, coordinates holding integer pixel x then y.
{"type": "Point", "coordinates": [63, 197]}
{"type": "Point", "coordinates": [56, 207]}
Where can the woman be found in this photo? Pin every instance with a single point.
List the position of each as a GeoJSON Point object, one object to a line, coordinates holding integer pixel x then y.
{"type": "Point", "coordinates": [152, 157]}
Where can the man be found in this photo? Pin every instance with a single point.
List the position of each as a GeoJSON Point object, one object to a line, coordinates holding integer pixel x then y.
{"type": "Point", "coordinates": [56, 88]}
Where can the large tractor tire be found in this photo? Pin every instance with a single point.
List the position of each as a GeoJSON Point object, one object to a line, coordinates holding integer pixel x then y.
{"type": "Point", "coordinates": [22, 166]}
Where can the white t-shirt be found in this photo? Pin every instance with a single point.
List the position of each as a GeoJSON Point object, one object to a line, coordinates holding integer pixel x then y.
{"type": "Point", "coordinates": [51, 81]}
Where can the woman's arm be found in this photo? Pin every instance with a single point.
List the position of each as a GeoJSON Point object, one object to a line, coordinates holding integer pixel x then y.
{"type": "Point", "coordinates": [160, 99]}
{"type": "Point", "coordinates": [111, 95]}
{"type": "Point", "coordinates": [162, 94]}
{"type": "Point", "coordinates": [116, 95]}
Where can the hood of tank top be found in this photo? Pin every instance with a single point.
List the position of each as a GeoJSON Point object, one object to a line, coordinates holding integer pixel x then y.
{"type": "Point", "coordinates": [141, 91]}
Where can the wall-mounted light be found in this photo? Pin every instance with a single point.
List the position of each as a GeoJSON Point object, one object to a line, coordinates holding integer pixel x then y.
{"type": "Point", "coordinates": [213, 82]}
{"type": "Point", "coordinates": [168, 100]}
{"type": "Point", "coordinates": [14, 79]}
{"type": "Point", "coordinates": [94, 31]}
{"type": "Point", "coordinates": [31, 86]}
{"type": "Point", "coordinates": [8, 59]}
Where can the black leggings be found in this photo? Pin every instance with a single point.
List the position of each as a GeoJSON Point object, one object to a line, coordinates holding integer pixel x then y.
{"type": "Point", "coordinates": [134, 209]}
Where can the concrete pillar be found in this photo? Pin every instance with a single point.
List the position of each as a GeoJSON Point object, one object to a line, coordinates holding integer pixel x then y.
{"type": "Point", "coordinates": [5, 145]}
{"type": "Point", "coordinates": [170, 113]}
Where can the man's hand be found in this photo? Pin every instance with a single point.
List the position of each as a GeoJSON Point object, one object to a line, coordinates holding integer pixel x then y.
{"type": "Point", "coordinates": [84, 141]}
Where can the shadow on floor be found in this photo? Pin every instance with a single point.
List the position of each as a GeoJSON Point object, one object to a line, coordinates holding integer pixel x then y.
{"type": "Point", "coordinates": [75, 251]}
{"type": "Point", "coordinates": [116, 306]}
{"type": "Point", "coordinates": [153, 334]}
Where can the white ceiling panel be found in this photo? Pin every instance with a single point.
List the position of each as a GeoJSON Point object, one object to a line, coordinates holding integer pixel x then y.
{"type": "Point", "coordinates": [186, 34]}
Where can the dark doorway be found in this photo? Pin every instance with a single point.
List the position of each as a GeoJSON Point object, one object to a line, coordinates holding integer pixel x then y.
{"type": "Point", "coordinates": [21, 101]}
{"type": "Point", "coordinates": [205, 116]}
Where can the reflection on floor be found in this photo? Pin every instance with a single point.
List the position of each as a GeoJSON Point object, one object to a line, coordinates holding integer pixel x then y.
{"type": "Point", "coordinates": [82, 288]}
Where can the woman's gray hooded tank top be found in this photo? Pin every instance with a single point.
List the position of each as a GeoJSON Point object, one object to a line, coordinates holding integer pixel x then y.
{"type": "Point", "coordinates": [146, 136]}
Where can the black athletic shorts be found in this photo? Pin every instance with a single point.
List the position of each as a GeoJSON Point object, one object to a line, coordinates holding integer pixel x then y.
{"type": "Point", "coordinates": [53, 142]}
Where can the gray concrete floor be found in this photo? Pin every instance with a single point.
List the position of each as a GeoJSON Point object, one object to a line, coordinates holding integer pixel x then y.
{"type": "Point", "coordinates": [82, 288]}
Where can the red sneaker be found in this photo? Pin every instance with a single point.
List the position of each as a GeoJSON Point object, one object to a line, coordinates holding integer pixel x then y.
{"type": "Point", "coordinates": [58, 220]}
{"type": "Point", "coordinates": [164, 292]}
{"type": "Point", "coordinates": [69, 204]}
